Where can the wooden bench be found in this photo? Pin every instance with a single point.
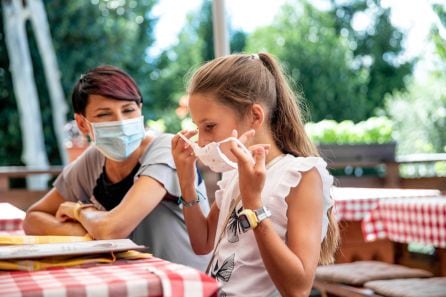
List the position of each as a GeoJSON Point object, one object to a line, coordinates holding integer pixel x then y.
{"type": "Point", "coordinates": [328, 289]}
{"type": "Point", "coordinates": [348, 279]}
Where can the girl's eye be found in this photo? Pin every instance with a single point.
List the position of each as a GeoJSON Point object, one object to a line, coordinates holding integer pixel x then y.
{"type": "Point", "coordinates": [209, 127]}
{"type": "Point", "coordinates": [128, 110]}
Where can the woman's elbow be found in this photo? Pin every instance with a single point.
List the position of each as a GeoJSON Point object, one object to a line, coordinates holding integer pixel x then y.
{"type": "Point", "coordinates": [29, 223]}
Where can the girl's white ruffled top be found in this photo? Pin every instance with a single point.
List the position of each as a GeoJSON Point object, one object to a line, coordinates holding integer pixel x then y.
{"type": "Point", "coordinates": [237, 263]}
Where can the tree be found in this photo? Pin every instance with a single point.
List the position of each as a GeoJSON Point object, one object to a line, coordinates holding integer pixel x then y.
{"type": "Point", "coordinates": [89, 33]}
{"type": "Point", "coordinates": [174, 65]}
{"type": "Point", "coordinates": [376, 49]}
{"type": "Point", "coordinates": [424, 103]}
{"type": "Point", "coordinates": [438, 40]}
{"type": "Point", "coordinates": [317, 60]}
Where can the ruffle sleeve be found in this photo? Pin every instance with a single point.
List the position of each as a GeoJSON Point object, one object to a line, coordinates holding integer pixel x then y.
{"type": "Point", "coordinates": [288, 175]}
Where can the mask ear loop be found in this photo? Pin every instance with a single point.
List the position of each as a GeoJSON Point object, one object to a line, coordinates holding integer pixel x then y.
{"type": "Point", "coordinates": [93, 137]}
{"type": "Point", "coordinates": [240, 144]}
{"type": "Point", "coordinates": [195, 147]}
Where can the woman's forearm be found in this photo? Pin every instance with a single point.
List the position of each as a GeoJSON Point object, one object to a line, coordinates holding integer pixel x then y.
{"type": "Point", "coordinates": [101, 224]}
{"type": "Point", "coordinates": [42, 223]}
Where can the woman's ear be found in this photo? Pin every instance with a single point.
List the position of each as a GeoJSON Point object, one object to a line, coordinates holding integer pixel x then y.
{"type": "Point", "coordinates": [82, 124]}
{"type": "Point", "coordinates": [257, 116]}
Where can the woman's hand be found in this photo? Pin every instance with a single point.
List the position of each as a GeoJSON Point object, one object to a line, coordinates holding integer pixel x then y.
{"type": "Point", "coordinates": [251, 174]}
{"type": "Point", "coordinates": [65, 212]}
{"type": "Point", "coordinates": [184, 158]}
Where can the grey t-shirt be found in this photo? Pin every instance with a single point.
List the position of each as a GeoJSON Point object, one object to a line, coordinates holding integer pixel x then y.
{"type": "Point", "coordinates": [163, 231]}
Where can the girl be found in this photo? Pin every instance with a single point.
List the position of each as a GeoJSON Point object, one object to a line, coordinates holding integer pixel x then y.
{"type": "Point", "coordinates": [126, 181]}
{"type": "Point", "coordinates": [270, 216]}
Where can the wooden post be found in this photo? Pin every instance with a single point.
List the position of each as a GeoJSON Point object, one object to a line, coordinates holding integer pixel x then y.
{"type": "Point", "coordinates": [392, 175]}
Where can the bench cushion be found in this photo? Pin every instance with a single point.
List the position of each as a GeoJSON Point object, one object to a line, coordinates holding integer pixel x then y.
{"type": "Point", "coordinates": [426, 287]}
{"type": "Point", "coordinates": [357, 273]}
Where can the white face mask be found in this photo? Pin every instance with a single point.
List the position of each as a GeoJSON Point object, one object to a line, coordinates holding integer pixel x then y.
{"type": "Point", "coordinates": [213, 156]}
{"type": "Point", "coordinates": [119, 139]}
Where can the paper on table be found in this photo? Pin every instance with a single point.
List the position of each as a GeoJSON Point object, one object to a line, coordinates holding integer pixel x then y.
{"type": "Point", "coordinates": [67, 249]}
{"type": "Point", "coordinates": [9, 211]}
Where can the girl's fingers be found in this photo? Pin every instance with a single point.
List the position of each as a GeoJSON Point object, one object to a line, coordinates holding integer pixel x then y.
{"type": "Point", "coordinates": [239, 154]}
{"type": "Point", "coordinates": [246, 136]}
{"type": "Point", "coordinates": [265, 146]}
{"type": "Point", "coordinates": [260, 157]}
{"type": "Point", "coordinates": [179, 144]}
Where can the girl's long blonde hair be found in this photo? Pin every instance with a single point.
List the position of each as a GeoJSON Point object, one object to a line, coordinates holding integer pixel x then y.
{"type": "Point", "coordinates": [240, 80]}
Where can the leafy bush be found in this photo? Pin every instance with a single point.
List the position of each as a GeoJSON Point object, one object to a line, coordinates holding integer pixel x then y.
{"type": "Point", "coordinates": [373, 130]}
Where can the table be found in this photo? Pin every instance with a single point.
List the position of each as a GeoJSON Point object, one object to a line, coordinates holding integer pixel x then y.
{"type": "Point", "coordinates": [11, 217]}
{"type": "Point", "coordinates": [411, 220]}
{"type": "Point", "coordinates": [352, 205]}
{"type": "Point", "coordinates": [147, 277]}
{"type": "Point", "coordinates": [408, 220]}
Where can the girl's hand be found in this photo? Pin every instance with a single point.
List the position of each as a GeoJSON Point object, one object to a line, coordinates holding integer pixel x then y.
{"type": "Point", "coordinates": [251, 175]}
{"type": "Point", "coordinates": [184, 158]}
{"type": "Point", "coordinates": [65, 212]}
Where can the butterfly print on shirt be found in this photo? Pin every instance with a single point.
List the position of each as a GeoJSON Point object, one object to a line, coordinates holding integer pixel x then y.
{"type": "Point", "coordinates": [223, 272]}
{"type": "Point", "coordinates": [234, 227]}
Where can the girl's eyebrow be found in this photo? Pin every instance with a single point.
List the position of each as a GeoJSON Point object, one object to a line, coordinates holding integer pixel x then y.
{"type": "Point", "coordinates": [202, 120]}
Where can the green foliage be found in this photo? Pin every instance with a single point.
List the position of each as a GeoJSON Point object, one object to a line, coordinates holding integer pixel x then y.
{"type": "Point", "coordinates": [373, 130]}
{"type": "Point", "coordinates": [168, 79]}
{"type": "Point", "coordinates": [343, 73]}
{"type": "Point", "coordinates": [316, 58]}
{"type": "Point", "coordinates": [420, 117]}
{"type": "Point", "coordinates": [90, 33]}
{"type": "Point", "coordinates": [438, 40]}
{"type": "Point", "coordinates": [376, 49]}
{"type": "Point", "coordinates": [174, 66]}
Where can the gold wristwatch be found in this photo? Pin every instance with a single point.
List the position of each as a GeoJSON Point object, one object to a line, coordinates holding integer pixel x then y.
{"type": "Point", "coordinates": [250, 219]}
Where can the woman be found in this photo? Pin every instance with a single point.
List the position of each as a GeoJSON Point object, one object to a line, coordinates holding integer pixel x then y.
{"type": "Point", "coordinates": [125, 185]}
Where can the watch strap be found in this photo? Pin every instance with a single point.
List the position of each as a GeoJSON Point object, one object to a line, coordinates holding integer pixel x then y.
{"type": "Point", "coordinates": [262, 213]}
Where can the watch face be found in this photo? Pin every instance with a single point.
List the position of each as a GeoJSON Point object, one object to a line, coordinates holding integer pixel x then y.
{"type": "Point", "coordinates": [244, 222]}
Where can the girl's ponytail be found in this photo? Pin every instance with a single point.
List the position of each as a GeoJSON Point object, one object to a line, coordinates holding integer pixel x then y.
{"type": "Point", "coordinates": [288, 130]}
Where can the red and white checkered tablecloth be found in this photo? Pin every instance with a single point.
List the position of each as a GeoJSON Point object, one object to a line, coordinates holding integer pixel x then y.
{"type": "Point", "coordinates": [148, 277]}
{"type": "Point", "coordinates": [353, 204]}
{"type": "Point", "coordinates": [408, 220]}
{"type": "Point", "coordinates": [11, 217]}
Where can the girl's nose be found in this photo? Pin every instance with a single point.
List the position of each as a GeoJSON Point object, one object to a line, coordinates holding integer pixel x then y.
{"type": "Point", "coordinates": [202, 141]}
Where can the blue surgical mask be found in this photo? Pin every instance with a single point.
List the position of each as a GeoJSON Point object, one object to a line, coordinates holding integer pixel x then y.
{"type": "Point", "coordinates": [119, 139]}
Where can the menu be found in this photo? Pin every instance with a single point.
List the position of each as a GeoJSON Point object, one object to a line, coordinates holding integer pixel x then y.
{"type": "Point", "coordinates": [29, 251]}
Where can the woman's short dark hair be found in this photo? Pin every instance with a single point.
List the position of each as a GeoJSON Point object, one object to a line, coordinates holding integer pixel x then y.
{"type": "Point", "coordinates": [107, 81]}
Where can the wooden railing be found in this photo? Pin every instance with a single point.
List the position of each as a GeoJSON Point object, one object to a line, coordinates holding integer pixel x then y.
{"type": "Point", "coordinates": [392, 178]}
{"type": "Point", "coordinates": [22, 198]}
